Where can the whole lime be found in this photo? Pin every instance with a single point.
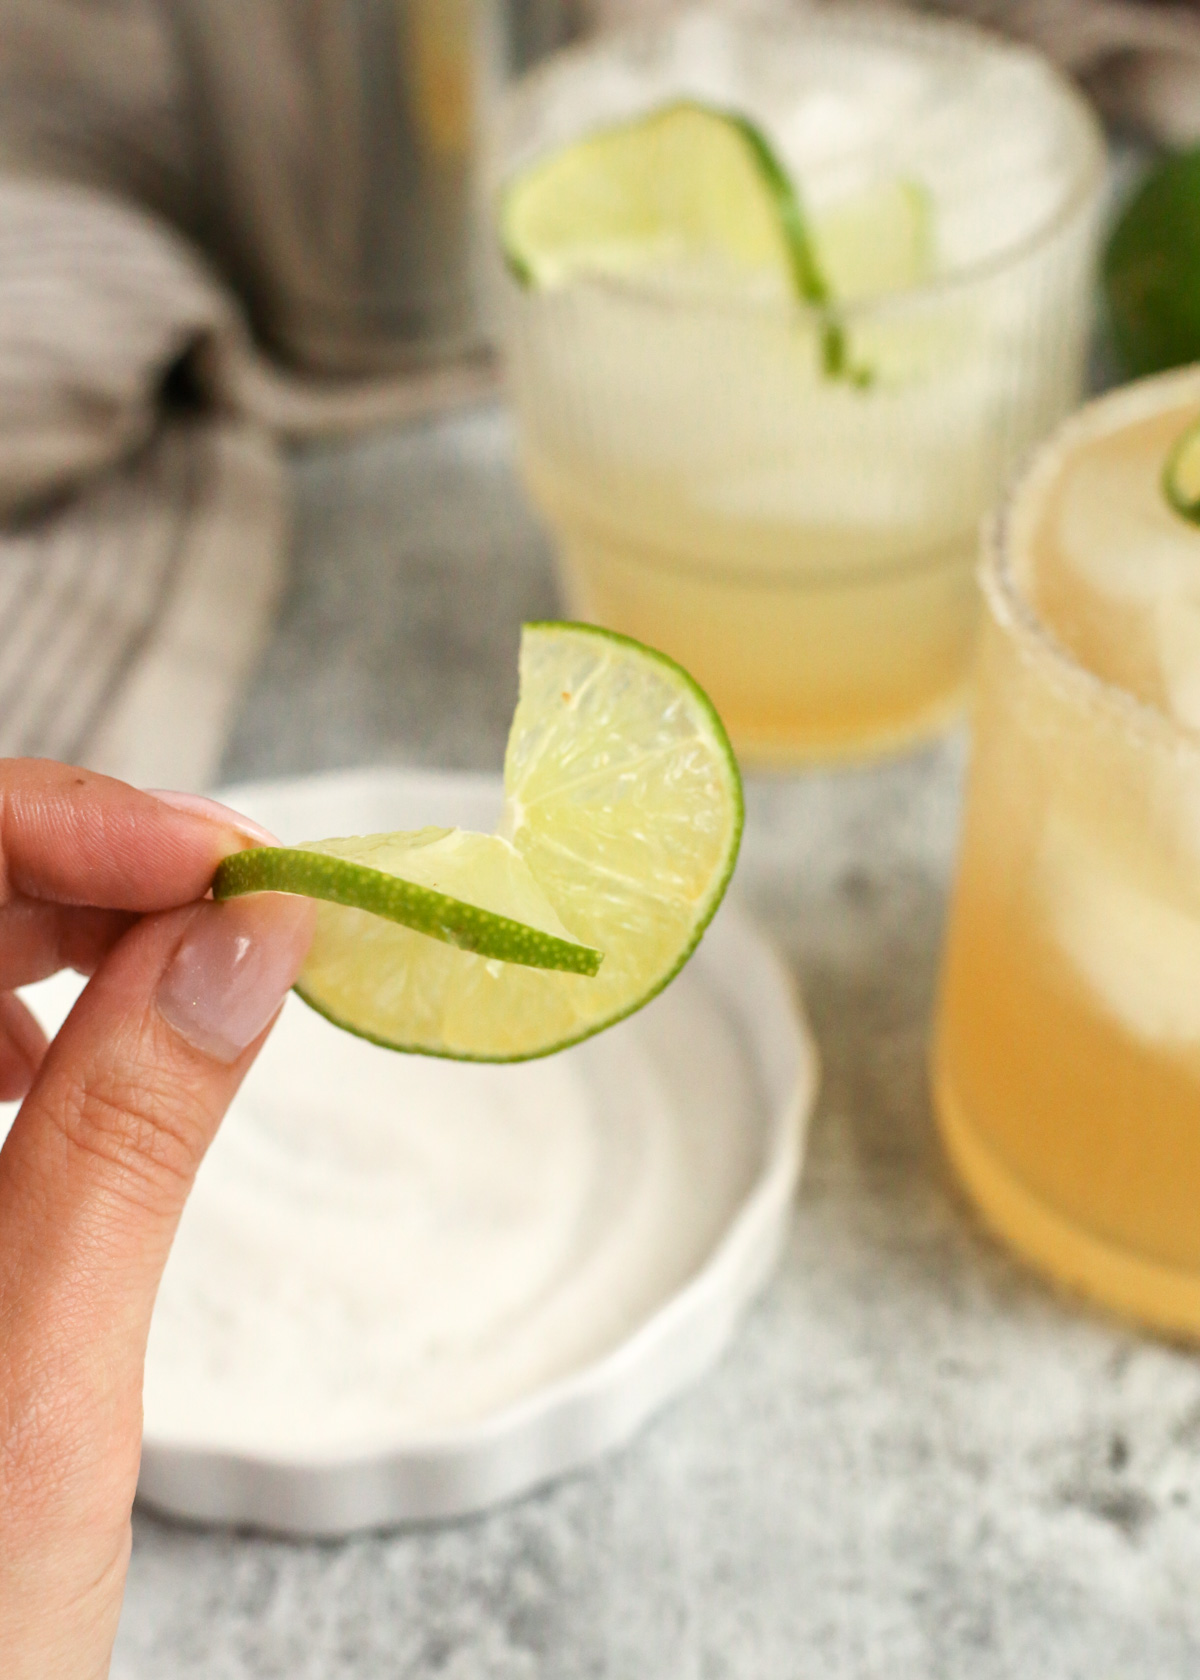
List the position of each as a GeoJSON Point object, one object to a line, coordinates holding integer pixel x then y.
{"type": "Point", "coordinates": [1152, 270]}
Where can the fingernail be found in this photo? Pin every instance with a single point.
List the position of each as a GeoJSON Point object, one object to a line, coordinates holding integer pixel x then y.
{"type": "Point", "coordinates": [196, 805]}
{"type": "Point", "coordinates": [233, 970]}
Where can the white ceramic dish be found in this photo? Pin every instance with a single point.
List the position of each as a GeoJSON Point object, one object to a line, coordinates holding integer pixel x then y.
{"type": "Point", "coordinates": [728, 1046]}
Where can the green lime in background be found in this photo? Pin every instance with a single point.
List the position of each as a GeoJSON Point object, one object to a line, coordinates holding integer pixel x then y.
{"type": "Point", "coordinates": [1152, 270]}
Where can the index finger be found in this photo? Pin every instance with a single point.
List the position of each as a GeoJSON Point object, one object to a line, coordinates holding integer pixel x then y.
{"type": "Point", "coordinates": [70, 836]}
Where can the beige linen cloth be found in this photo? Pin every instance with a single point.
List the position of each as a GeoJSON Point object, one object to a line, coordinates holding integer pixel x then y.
{"type": "Point", "coordinates": [143, 505]}
{"type": "Point", "coordinates": [141, 555]}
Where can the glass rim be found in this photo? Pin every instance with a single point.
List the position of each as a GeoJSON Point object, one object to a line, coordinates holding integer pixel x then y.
{"type": "Point", "coordinates": [1083, 193]}
{"type": "Point", "coordinates": [1007, 528]}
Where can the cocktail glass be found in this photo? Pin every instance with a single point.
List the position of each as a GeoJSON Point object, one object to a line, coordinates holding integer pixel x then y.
{"type": "Point", "coordinates": [1067, 1057]}
{"type": "Point", "coordinates": [802, 543]}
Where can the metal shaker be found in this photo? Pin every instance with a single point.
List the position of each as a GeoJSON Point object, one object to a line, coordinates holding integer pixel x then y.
{"type": "Point", "coordinates": [337, 153]}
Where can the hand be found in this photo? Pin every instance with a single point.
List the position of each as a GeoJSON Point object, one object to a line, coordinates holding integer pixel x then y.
{"type": "Point", "coordinates": [117, 1115]}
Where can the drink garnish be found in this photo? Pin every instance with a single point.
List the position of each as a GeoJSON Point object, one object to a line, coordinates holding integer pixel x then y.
{"type": "Point", "coordinates": [622, 820]}
{"type": "Point", "coordinates": [690, 183]}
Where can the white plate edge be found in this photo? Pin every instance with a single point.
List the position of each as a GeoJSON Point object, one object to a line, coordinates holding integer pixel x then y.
{"type": "Point", "coordinates": [577, 1417]}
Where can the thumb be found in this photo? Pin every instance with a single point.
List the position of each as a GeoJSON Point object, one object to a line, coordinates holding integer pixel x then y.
{"type": "Point", "coordinates": [93, 1178]}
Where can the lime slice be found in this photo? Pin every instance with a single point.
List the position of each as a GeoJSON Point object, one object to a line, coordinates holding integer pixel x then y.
{"type": "Point", "coordinates": [623, 815]}
{"type": "Point", "coordinates": [878, 241]}
{"type": "Point", "coordinates": [685, 183]}
{"type": "Point", "coordinates": [1181, 475]}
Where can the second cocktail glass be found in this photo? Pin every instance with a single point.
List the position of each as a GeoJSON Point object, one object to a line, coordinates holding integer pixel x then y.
{"type": "Point", "coordinates": [1067, 1062]}
{"type": "Point", "coordinates": [802, 542]}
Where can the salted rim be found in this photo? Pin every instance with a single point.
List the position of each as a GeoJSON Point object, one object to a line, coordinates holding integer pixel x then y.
{"type": "Point", "coordinates": [1007, 533]}
{"type": "Point", "coordinates": [854, 22]}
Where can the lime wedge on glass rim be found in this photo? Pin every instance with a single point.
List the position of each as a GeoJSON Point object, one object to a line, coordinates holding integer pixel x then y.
{"type": "Point", "coordinates": [621, 826]}
{"type": "Point", "coordinates": [1181, 474]}
{"type": "Point", "coordinates": [692, 181]}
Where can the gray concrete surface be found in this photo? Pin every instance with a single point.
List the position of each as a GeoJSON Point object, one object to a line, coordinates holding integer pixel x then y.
{"type": "Point", "coordinates": [915, 1462]}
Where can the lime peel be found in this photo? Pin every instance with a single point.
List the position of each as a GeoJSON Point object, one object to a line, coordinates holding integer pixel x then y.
{"type": "Point", "coordinates": [620, 192]}
{"type": "Point", "coordinates": [336, 880]}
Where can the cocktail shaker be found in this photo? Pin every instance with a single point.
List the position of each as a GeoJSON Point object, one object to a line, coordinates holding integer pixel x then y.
{"type": "Point", "coordinates": [338, 148]}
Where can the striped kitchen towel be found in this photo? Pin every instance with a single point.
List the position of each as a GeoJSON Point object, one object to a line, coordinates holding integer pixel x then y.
{"type": "Point", "coordinates": [141, 528]}
{"type": "Point", "coordinates": [143, 492]}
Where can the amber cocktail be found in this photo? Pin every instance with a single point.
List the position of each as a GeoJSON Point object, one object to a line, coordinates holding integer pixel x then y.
{"type": "Point", "coordinates": [1067, 1061]}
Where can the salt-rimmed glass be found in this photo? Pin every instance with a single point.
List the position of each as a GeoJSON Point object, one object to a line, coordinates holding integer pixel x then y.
{"type": "Point", "coordinates": [1067, 1056]}
{"type": "Point", "coordinates": [802, 544]}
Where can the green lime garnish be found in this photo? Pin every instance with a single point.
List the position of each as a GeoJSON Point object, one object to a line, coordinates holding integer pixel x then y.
{"type": "Point", "coordinates": [406, 878]}
{"type": "Point", "coordinates": [686, 181]}
{"type": "Point", "coordinates": [623, 816]}
{"type": "Point", "coordinates": [690, 183]}
{"type": "Point", "coordinates": [1181, 474]}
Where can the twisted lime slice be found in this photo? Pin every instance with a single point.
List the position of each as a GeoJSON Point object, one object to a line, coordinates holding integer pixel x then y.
{"type": "Point", "coordinates": [686, 181]}
{"type": "Point", "coordinates": [623, 815]}
{"type": "Point", "coordinates": [1181, 475]}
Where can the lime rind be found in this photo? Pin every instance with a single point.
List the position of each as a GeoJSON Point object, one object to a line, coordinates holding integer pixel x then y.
{"type": "Point", "coordinates": [1181, 475]}
{"type": "Point", "coordinates": [423, 909]}
{"type": "Point", "coordinates": [808, 277]}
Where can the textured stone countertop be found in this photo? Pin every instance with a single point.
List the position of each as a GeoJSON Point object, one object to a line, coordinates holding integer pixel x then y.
{"type": "Point", "coordinates": [914, 1462]}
